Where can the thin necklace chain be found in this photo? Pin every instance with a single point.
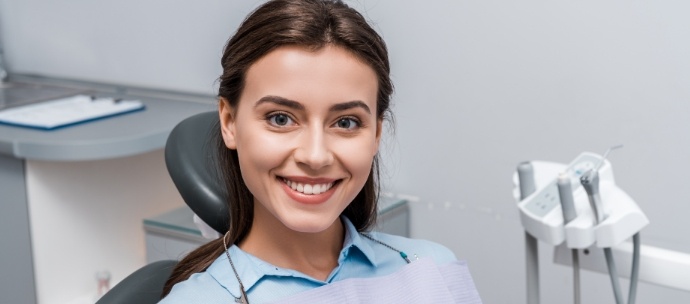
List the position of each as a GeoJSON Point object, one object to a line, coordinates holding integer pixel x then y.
{"type": "Point", "coordinates": [243, 299]}
{"type": "Point", "coordinates": [402, 254]}
{"type": "Point", "coordinates": [243, 295]}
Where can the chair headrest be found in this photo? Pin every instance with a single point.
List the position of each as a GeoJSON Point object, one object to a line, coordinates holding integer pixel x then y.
{"type": "Point", "coordinates": [190, 159]}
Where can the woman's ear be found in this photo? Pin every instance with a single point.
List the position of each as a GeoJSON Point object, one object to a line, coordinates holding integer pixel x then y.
{"type": "Point", "coordinates": [227, 123]}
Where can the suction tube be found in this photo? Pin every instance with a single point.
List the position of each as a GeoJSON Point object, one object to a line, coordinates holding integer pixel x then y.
{"type": "Point", "coordinates": [565, 193]}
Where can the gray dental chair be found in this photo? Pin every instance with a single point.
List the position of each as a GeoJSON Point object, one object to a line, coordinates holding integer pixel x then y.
{"type": "Point", "coordinates": [189, 155]}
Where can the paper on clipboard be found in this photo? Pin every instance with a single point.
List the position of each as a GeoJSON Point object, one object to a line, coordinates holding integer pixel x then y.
{"type": "Point", "coordinates": [53, 114]}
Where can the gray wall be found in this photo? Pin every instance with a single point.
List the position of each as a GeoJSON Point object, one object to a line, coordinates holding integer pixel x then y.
{"type": "Point", "coordinates": [480, 86]}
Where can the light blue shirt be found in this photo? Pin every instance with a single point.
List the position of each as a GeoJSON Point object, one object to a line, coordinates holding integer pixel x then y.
{"type": "Point", "coordinates": [263, 282]}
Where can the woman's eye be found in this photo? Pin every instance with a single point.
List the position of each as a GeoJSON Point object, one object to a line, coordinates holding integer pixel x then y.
{"type": "Point", "coordinates": [347, 123]}
{"type": "Point", "coordinates": [280, 120]}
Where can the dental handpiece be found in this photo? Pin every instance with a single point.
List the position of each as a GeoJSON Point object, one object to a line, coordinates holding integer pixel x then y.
{"type": "Point", "coordinates": [526, 178]}
{"type": "Point", "coordinates": [590, 181]}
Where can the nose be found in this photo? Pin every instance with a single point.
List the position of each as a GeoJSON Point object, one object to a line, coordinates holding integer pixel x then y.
{"type": "Point", "coordinates": [313, 150]}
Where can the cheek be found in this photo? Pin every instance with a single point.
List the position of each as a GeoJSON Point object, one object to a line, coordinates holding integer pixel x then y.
{"type": "Point", "coordinates": [263, 150]}
{"type": "Point", "coordinates": [357, 156]}
{"type": "Point", "coordinates": [259, 153]}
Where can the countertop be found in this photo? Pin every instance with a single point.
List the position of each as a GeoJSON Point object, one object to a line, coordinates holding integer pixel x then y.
{"type": "Point", "coordinates": [113, 137]}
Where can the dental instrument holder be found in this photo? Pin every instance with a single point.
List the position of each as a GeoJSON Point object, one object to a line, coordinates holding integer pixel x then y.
{"type": "Point", "coordinates": [541, 213]}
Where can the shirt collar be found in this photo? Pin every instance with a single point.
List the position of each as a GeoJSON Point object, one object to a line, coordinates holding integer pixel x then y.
{"type": "Point", "coordinates": [251, 269]}
{"type": "Point", "coordinates": [355, 240]}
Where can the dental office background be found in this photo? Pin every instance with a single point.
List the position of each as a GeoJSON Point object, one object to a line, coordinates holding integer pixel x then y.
{"type": "Point", "coordinates": [480, 86]}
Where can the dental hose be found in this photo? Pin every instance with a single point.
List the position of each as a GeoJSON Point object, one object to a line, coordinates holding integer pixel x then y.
{"type": "Point", "coordinates": [590, 181]}
{"type": "Point", "coordinates": [613, 274]}
{"type": "Point", "coordinates": [635, 272]}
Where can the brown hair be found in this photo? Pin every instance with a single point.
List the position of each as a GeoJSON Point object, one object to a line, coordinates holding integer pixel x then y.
{"type": "Point", "coordinates": [308, 23]}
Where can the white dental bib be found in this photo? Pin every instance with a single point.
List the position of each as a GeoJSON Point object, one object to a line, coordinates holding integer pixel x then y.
{"type": "Point", "coordinates": [421, 281]}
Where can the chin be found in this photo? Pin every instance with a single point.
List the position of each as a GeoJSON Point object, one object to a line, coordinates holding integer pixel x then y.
{"type": "Point", "coordinates": [313, 224]}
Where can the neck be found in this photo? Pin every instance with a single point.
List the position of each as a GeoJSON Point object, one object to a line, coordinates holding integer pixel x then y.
{"type": "Point", "coordinates": [314, 254]}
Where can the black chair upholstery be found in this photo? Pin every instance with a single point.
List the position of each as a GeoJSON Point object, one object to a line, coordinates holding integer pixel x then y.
{"type": "Point", "coordinates": [144, 286]}
{"type": "Point", "coordinates": [189, 156]}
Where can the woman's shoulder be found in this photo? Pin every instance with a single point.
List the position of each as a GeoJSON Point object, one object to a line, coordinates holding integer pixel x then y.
{"type": "Point", "coordinates": [419, 247]}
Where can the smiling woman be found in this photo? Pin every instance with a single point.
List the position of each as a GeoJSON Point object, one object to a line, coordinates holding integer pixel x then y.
{"type": "Point", "coordinates": [296, 125]}
{"type": "Point", "coordinates": [304, 92]}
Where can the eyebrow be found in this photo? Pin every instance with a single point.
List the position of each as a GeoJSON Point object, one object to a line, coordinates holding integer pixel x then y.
{"type": "Point", "coordinates": [280, 101]}
{"type": "Point", "coordinates": [298, 106]}
{"type": "Point", "coordinates": [350, 105]}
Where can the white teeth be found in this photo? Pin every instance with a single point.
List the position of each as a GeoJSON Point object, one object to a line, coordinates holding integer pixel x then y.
{"type": "Point", "coordinates": [308, 188]}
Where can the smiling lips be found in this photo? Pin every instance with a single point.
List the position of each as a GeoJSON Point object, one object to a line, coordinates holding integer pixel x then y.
{"type": "Point", "coordinates": [308, 192]}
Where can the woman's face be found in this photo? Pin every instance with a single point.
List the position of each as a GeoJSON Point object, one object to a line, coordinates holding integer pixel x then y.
{"type": "Point", "coordinates": [306, 132]}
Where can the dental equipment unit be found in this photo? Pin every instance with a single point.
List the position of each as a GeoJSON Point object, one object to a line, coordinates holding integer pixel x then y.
{"type": "Point", "coordinates": [577, 207]}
